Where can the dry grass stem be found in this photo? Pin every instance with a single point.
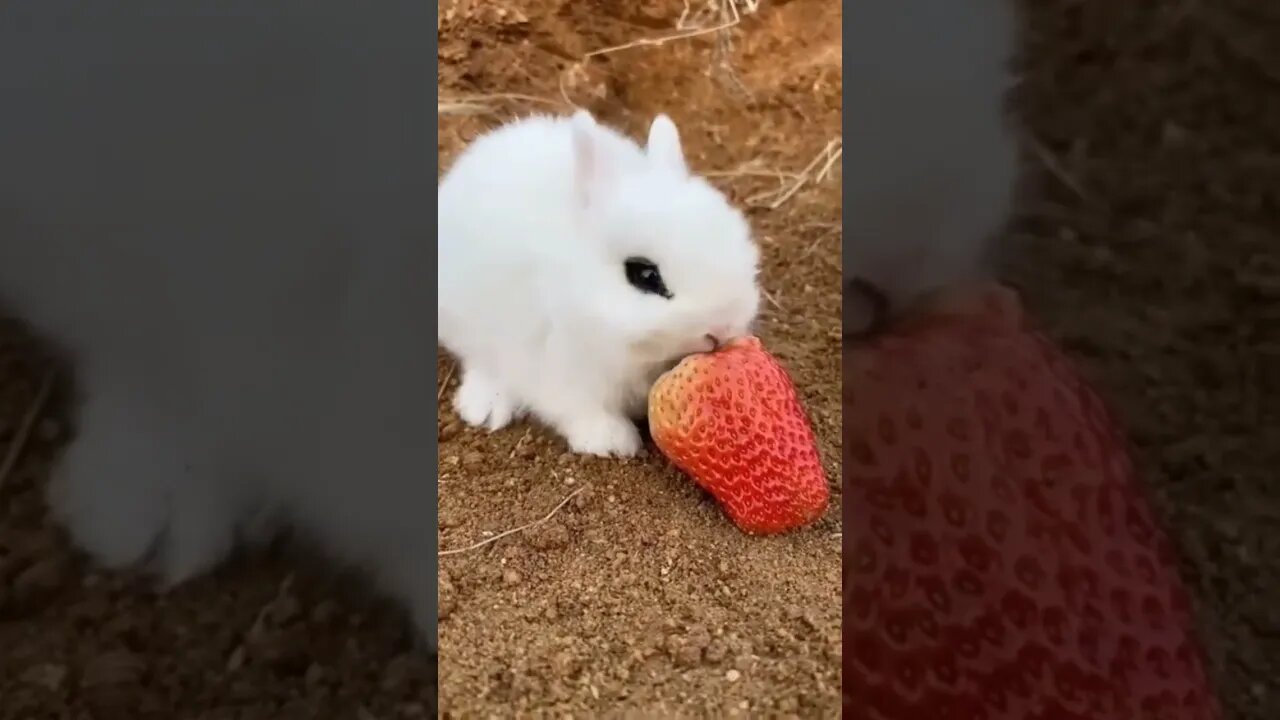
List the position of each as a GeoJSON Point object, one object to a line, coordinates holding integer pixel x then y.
{"type": "Point", "coordinates": [776, 305]}
{"type": "Point", "coordinates": [1230, 39]}
{"type": "Point", "coordinates": [260, 620]}
{"type": "Point", "coordinates": [727, 8]}
{"type": "Point", "coordinates": [1056, 169]}
{"type": "Point", "coordinates": [513, 531]}
{"type": "Point", "coordinates": [528, 433]}
{"type": "Point", "coordinates": [813, 246]}
{"type": "Point", "coordinates": [459, 108]}
{"type": "Point", "coordinates": [747, 172]}
{"type": "Point", "coordinates": [444, 384]}
{"type": "Point", "coordinates": [831, 161]}
{"type": "Point", "coordinates": [816, 171]}
{"type": "Point", "coordinates": [715, 12]}
{"type": "Point", "coordinates": [695, 19]}
{"type": "Point", "coordinates": [19, 441]}
{"type": "Point", "coordinates": [488, 104]}
{"type": "Point", "coordinates": [564, 92]}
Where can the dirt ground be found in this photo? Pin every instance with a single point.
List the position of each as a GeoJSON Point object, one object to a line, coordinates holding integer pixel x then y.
{"type": "Point", "coordinates": [639, 598]}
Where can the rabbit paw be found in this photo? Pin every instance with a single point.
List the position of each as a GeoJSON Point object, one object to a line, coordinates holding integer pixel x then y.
{"type": "Point", "coordinates": [603, 435]}
{"type": "Point", "coordinates": [129, 495]}
{"type": "Point", "coordinates": [425, 622]}
{"type": "Point", "coordinates": [482, 403]}
{"type": "Point", "coordinates": [201, 530]}
{"type": "Point", "coordinates": [113, 509]}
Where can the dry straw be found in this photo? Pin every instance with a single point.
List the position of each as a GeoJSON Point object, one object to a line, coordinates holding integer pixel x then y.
{"type": "Point", "coordinates": [513, 531]}
{"type": "Point", "coordinates": [732, 12]}
{"type": "Point", "coordinates": [20, 438]}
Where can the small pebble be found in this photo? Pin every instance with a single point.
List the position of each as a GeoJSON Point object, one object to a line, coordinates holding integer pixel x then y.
{"type": "Point", "coordinates": [47, 676]}
{"type": "Point", "coordinates": [402, 672]}
{"type": "Point", "coordinates": [286, 652]}
{"type": "Point", "coordinates": [325, 612]}
{"type": "Point", "coordinates": [732, 675]}
{"type": "Point", "coordinates": [40, 581]}
{"type": "Point", "coordinates": [448, 431]}
{"type": "Point", "coordinates": [284, 610]}
{"type": "Point", "coordinates": [112, 668]}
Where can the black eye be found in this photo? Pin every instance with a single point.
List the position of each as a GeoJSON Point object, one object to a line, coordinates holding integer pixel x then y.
{"type": "Point", "coordinates": [644, 276]}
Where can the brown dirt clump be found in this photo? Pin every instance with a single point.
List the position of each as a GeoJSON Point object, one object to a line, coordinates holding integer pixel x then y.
{"type": "Point", "coordinates": [1151, 250]}
{"type": "Point", "coordinates": [638, 598]}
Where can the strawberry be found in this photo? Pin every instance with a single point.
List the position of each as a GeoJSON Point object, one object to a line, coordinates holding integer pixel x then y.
{"type": "Point", "coordinates": [1002, 560]}
{"type": "Point", "coordinates": [731, 420]}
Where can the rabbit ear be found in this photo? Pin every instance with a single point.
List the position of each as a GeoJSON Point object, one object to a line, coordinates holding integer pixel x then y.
{"type": "Point", "coordinates": [664, 145]}
{"type": "Point", "coordinates": [590, 164]}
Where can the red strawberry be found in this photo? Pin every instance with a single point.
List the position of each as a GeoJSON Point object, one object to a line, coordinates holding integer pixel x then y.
{"type": "Point", "coordinates": [732, 421]}
{"type": "Point", "coordinates": [1002, 560]}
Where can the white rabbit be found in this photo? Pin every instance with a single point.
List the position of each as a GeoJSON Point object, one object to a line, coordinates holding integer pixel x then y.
{"type": "Point", "coordinates": [930, 160]}
{"type": "Point", "coordinates": [235, 257]}
{"type": "Point", "coordinates": [576, 266]}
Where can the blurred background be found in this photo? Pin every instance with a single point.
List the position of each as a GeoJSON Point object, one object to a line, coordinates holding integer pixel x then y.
{"type": "Point", "coordinates": [1151, 250]}
{"type": "Point", "coordinates": [151, 114]}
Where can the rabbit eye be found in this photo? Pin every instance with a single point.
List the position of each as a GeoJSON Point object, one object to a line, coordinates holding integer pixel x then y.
{"type": "Point", "coordinates": [644, 276]}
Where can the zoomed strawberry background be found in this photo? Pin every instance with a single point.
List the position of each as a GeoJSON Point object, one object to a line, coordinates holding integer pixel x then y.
{"type": "Point", "coordinates": [1146, 248]}
{"type": "Point", "coordinates": [1004, 562]}
{"type": "Point", "coordinates": [1151, 256]}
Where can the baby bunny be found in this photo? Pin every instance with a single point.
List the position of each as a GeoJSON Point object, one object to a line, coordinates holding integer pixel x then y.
{"type": "Point", "coordinates": [220, 223]}
{"type": "Point", "coordinates": [930, 162]}
{"type": "Point", "coordinates": [575, 266]}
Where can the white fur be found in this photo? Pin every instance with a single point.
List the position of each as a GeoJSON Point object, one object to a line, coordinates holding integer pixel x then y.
{"type": "Point", "coordinates": [212, 400]}
{"type": "Point", "coordinates": [535, 222]}
{"type": "Point", "coordinates": [930, 162]}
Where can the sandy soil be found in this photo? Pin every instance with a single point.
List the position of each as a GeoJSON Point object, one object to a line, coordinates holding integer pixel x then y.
{"type": "Point", "coordinates": [639, 598]}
